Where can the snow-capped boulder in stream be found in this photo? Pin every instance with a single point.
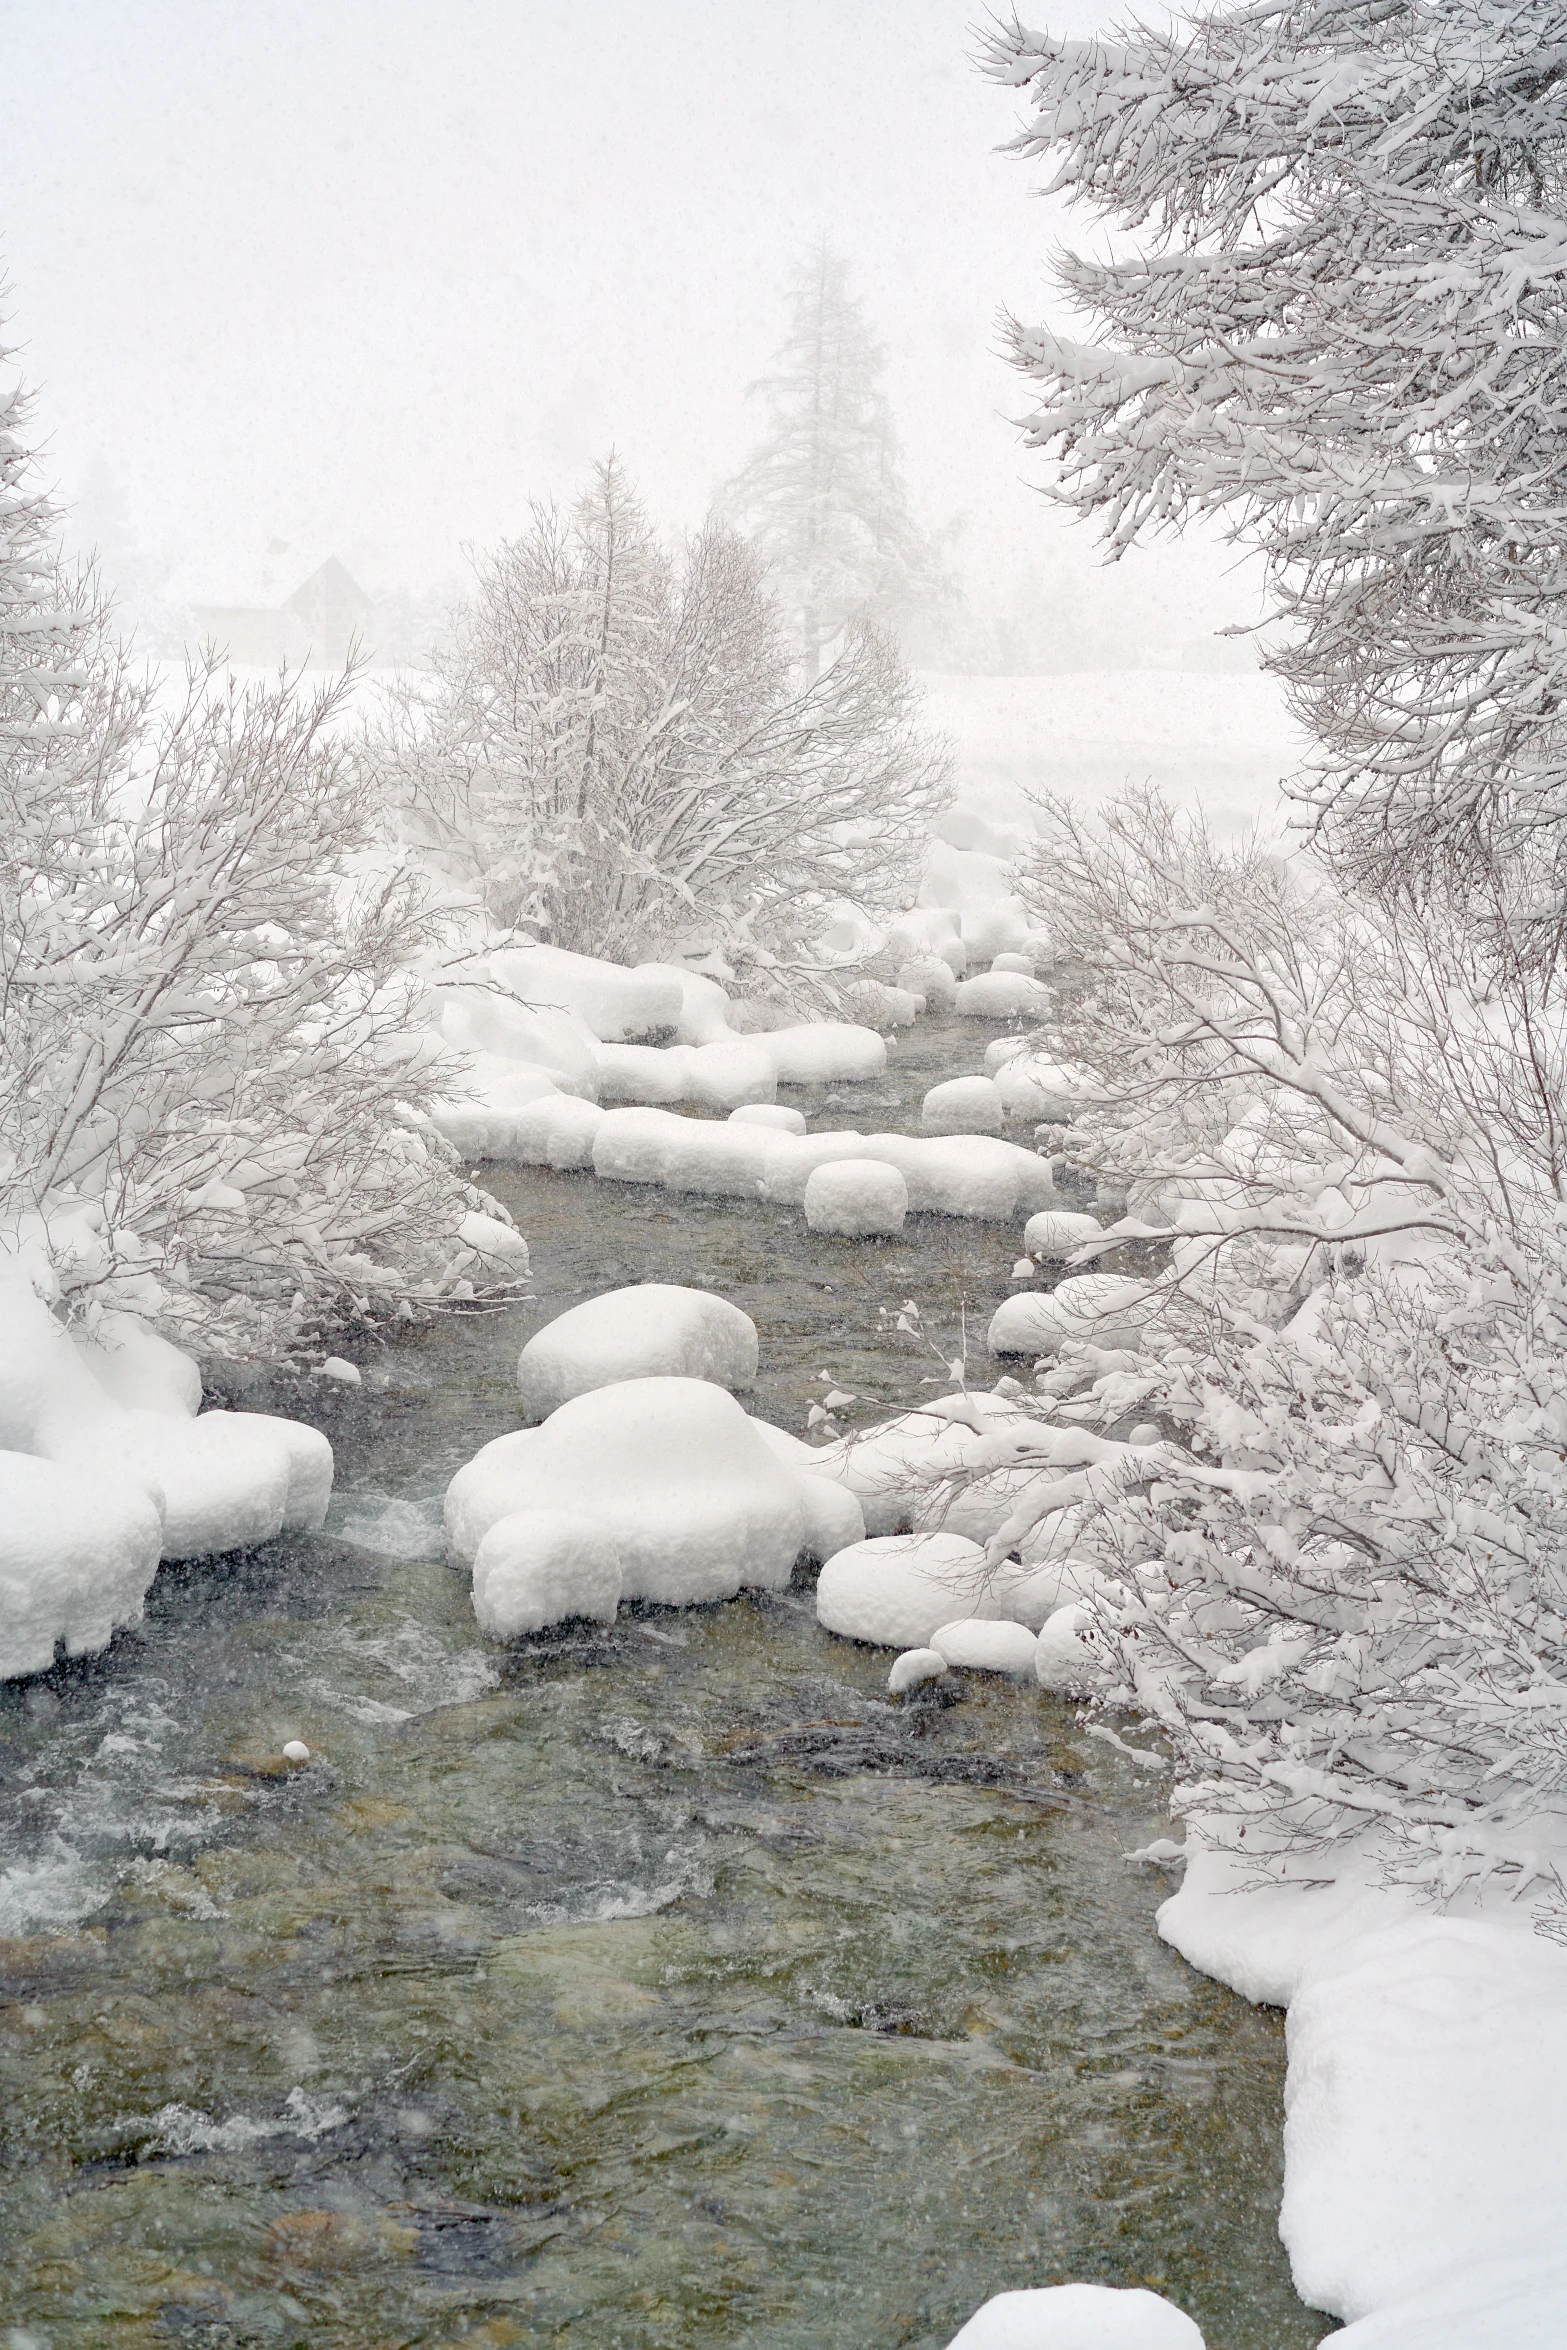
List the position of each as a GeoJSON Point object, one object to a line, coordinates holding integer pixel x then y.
{"type": "Point", "coordinates": [655, 1329]}
{"type": "Point", "coordinates": [897, 1589]}
{"type": "Point", "coordinates": [106, 1467]}
{"type": "Point", "coordinates": [1078, 2317]}
{"type": "Point", "coordinates": [664, 1481]}
{"type": "Point", "coordinates": [859, 1199]}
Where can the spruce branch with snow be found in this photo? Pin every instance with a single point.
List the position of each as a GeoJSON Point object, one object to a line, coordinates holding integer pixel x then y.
{"type": "Point", "coordinates": [1341, 328]}
{"type": "Point", "coordinates": [618, 754]}
{"type": "Point", "coordinates": [210, 1087]}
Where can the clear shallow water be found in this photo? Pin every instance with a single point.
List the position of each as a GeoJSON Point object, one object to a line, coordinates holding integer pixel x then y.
{"type": "Point", "coordinates": [660, 1986]}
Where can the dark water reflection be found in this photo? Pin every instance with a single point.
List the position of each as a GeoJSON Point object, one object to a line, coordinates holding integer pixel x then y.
{"type": "Point", "coordinates": [655, 1987]}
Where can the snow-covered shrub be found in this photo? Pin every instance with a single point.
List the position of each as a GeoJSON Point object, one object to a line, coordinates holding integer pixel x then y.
{"type": "Point", "coordinates": [209, 1087]}
{"type": "Point", "coordinates": [1340, 1582]}
{"type": "Point", "coordinates": [617, 753]}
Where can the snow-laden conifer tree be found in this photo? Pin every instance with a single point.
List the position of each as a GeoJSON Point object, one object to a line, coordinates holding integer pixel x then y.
{"type": "Point", "coordinates": [1337, 318]}
{"type": "Point", "coordinates": [619, 752]}
{"type": "Point", "coordinates": [822, 495]}
{"type": "Point", "coordinates": [210, 1088]}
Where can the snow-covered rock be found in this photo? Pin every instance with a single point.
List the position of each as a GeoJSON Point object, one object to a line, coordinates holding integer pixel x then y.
{"type": "Point", "coordinates": [1034, 1087]}
{"type": "Point", "coordinates": [913, 1668]}
{"type": "Point", "coordinates": [987, 1645]}
{"type": "Point", "coordinates": [825, 1052]}
{"type": "Point", "coordinates": [1002, 995]}
{"type": "Point", "coordinates": [654, 1330]}
{"type": "Point", "coordinates": [1020, 963]}
{"type": "Point", "coordinates": [1079, 2317]}
{"type": "Point", "coordinates": [858, 1198]}
{"type": "Point", "coordinates": [718, 1157]}
{"type": "Point", "coordinates": [556, 1131]}
{"type": "Point", "coordinates": [775, 1115]}
{"type": "Point", "coordinates": [962, 1105]}
{"type": "Point", "coordinates": [486, 1021]}
{"type": "Point", "coordinates": [617, 1004]}
{"type": "Point", "coordinates": [500, 1247]}
{"type": "Point", "coordinates": [1102, 1308]}
{"type": "Point", "coordinates": [1064, 1652]}
{"type": "Point", "coordinates": [77, 1553]}
{"type": "Point", "coordinates": [1055, 1234]}
{"type": "Point", "coordinates": [543, 1567]}
{"type": "Point", "coordinates": [834, 1520]}
{"type": "Point", "coordinates": [668, 1476]}
{"type": "Point", "coordinates": [930, 978]}
{"type": "Point", "coordinates": [894, 1590]}
{"type": "Point", "coordinates": [104, 1450]}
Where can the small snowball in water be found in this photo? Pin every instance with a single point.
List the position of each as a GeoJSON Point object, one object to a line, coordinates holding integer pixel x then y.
{"type": "Point", "coordinates": [1023, 1270]}
{"type": "Point", "coordinates": [296, 1751]}
{"type": "Point", "coordinates": [335, 1368]}
{"type": "Point", "coordinates": [1146, 1432]}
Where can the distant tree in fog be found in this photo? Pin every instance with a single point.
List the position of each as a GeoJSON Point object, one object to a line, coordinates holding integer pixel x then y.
{"type": "Point", "coordinates": [822, 495]}
{"type": "Point", "coordinates": [619, 752]}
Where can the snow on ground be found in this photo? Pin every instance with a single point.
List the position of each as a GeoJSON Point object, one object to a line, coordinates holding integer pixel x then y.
{"type": "Point", "coordinates": [1220, 742]}
{"type": "Point", "coordinates": [1425, 2137]}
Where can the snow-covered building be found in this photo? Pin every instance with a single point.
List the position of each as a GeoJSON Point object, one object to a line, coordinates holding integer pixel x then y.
{"type": "Point", "coordinates": [315, 625]}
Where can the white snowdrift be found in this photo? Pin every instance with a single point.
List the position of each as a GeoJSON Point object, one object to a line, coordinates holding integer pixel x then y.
{"type": "Point", "coordinates": [656, 1329]}
{"type": "Point", "coordinates": [106, 1468]}
{"type": "Point", "coordinates": [655, 1488]}
{"type": "Point", "coordinates": [1425, 2138]}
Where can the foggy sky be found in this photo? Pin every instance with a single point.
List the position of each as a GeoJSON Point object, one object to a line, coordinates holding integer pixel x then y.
{"type": "Point", "coordinates": [365, 277]}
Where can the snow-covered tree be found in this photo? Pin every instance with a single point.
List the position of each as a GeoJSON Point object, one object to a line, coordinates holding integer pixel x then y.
{"type": "Point", "coordinates": [1339, 1581]}
{"type": "Point", "coordinates": [618, 753]}
{"type": "Point", "coordinates": [210, 1087]}
{"type": "Point", "coordinates": [1336, 318]}
{"type": "Point", "coordinates": [822, 495]}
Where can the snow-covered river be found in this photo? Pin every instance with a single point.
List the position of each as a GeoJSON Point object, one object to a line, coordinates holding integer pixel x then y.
{"type": "Point", "coordinates": [655, 1986]}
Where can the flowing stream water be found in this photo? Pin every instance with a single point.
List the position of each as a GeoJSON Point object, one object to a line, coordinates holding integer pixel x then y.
{"type": "Point", "coordinates": [633, 1989]}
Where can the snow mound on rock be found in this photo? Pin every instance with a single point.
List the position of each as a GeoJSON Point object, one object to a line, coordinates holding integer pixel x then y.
{"type": "Point", "coordinates": [1056, 1233]}
{"type": "Point", "coordinates": [1002, 995]}
{"type": "Point", "coordinates": [77, 1553]}
{"type": "Point", "coordinates": [998, 1646]}
{"type": "Point", "coordinates": [914, 1667]}
{"type": "Point", "coordinates": [1079, 2317]}
{"type": "Point", "coordinates": [895, 1590]}
{"type": "Point", "coordinates": [857, 1198]}
{"type": "Point", "coordinates": [962, 1105]}
{"type": "Point", "coordinates": [654, 1330]}
{"type": "Point", "coordinates": [1102, 1308]}
{"type": "Point", "coordinates": [106, 1467]}
{"type": "Point", "coordinates": [544, 1567]}
{"type": "Point", "coordinates": [772, 1114]}
{"type": "Point", "coordinates": [667, 1475]}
